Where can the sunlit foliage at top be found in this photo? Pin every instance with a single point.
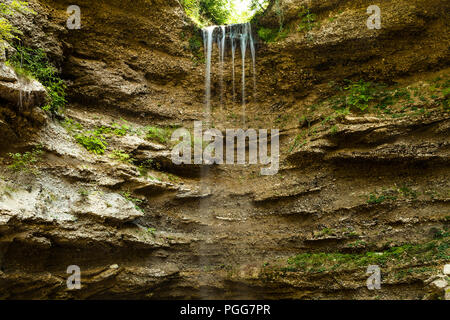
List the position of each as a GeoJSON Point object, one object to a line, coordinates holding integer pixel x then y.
{"type": "Point", "coordinates": [220, 12]}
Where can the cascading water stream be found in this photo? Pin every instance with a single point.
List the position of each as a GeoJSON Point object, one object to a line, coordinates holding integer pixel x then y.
{"type": "Point", "coordinates": [208, 41]}
{"type": "Point", "coordinates": [243, 49]}
{"type": "Point", "coordinates": [219, 35]}
{"type": "Point", "coordinates": [233, 54]}
{"type": "Point", "coordinates": [221, 46]}
{"type": "Point", "coordinates": [253, 52]}
{"type": "Point", "coordinates": [239, 34]}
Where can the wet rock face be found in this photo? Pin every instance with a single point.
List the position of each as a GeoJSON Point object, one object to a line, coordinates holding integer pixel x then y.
{"type": "Point", "coordinates": [357, 188]}
{"type": "Point", "coordinates": [21, 101]}
{"type": "Point", "coordinates": [27, 93]}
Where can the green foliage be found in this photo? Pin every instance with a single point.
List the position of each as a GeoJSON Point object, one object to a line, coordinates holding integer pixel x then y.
{"type": "Point", "coordinates": [420, 253]}
{"type": "Point", "coordinates": [120, 130]}
{"type": "Point", "coordinates": [195, 43]}
{"type": "Point", "coordinates": [34, 63]}
{"type": "Point", "coordinates": [161, 135]}
{"type": "Point", "coordinates": [272, 35]}
{"type": "Point", "coordinates": [441, 234]}
{"type": "Point", "coordinates": [121, 156]}
{"type": "Point", "coordinates": [25, 161]}
{"type": "Point", "coordinates": [71, 125]}
{"type": "Point", "coordinates": [92, 141]}
{"type": "Point", "coordinates": [374, 199]}
{"type": "Point", "coordinates": [324, 232]}
{"type": "Point", "coordinates": [360, 94]}
{"type": "Point", "coordinates": [207, 12]}
{"type": "Point", "coordinates": [408, 192]}
{"type": "Point", "coordinates": [115, 129]}
{"type": "Point", "coordinates": [84, 193]}
{"type": "Point", "coordinates": [8, 9]}
{"type": "Point", "coordinates": [217, 11]}
{"type": "Point", "coordinates": [144, 166]}
{"type": "Point", "coordinates": [172, 178]}
{"type": "Point", "coordinates": [195, 46]}
{"type": "Point", "coordinates": [308, 20]}
{"type": "Point", "coordinates": [137, 202]}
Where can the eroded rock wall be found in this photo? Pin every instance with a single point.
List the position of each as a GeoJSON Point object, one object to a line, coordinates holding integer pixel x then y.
{"type": "Point", "coordinates": [349, 184]}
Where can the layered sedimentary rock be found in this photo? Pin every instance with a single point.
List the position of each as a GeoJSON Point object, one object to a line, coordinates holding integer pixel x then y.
{"type": "Point", "coordinates": [350, 187]}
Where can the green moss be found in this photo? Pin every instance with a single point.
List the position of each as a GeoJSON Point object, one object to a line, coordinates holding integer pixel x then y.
{"type": "Point", "coordinates": [376, 199]}
{"type": "Point", "coordinates": [161, 135]}
{"type": "Point", "coordinates": [195, 47]}
{"type": "Point", "coordinates": [435, 250]}
{"type": "Point", "coordinates": [272, 35]}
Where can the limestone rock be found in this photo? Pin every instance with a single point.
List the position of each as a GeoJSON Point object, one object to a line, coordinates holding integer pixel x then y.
{"type": "Point", "coordinates": [447, 269]}
{"type": "Point", "coordinates": [26, 93]}
{"type": "Point", "coordinates": [7, 74]}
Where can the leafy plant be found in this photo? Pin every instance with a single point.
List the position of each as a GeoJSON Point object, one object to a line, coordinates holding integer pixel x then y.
{"type": "Point", "coordinates": [71, 125]}
{"type": "Point", "coordinates": [360, 94]}
{"type": "Point", "coordinates": [272, 35]}
{"type": "Point", "coordinates": [161, 135]}
{"type": "Point", "coordinates": [206, 12]}
{"type": "Point", "coordinates": [120, 130]}
{"type": "Point", "coordinates": [93, 142]}
{"type": "Point", "coordinates": [308, 20]}
{"type": "Point", "coordinates": [137, 202]}
{"type": "Point", "coordinates": [435, 250]}
{"type": "Point", "coordinates": [121, 156]}
{"type": "Point", "coordinates": [8, 9]}
{"type": "Point", "coordinates": [34, 63]}
{"type": "Point", "coordinates": [151, 231]}
{"type": "Point", "coordinates": [25, 161]}
{"type": "Point", "coordinates": [84, 193]}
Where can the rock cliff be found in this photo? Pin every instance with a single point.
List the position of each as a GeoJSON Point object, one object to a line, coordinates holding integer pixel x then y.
{"type": "Point", "coordinates": [355, 187]}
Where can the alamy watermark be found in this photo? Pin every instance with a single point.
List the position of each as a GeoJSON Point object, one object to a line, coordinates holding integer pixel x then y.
{"type": "Point", "coordinates": [374, 281]}
{"type": "Point", "coordinates": [374, 21]}
{"type": "Point", "coordinates": [74, 21]}
{"type": "Point", "coordinates": [234, 141]}
{"type": "Point", "coordinates": [74, 280]}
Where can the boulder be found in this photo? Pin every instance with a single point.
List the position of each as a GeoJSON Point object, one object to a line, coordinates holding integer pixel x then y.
{"type": "Point", "coordinates": [27, 93]}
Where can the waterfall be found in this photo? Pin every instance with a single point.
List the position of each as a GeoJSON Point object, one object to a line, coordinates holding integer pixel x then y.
{"type": "Point", "coordinates": [253, 52]}
{"type": "Point", "coordinates": [243, 49]}
{"type": "Point", "coordinates": [207, 41]}
{"type": "Point", "coordinates": [239, 34]}
{"type": "Point", "coordinates": [221, 46]}
{"type": "Point", "coordinates": [233, 54]}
